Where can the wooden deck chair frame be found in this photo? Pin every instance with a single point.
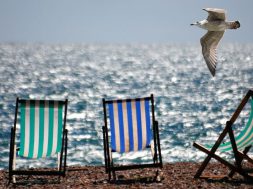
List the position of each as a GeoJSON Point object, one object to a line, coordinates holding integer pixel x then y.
{"type": "Point", "coordinates": [238, 155]}
{"type": "Point", "coordinates": [110, 168]}
{"type": "Point", "coordinates": [62, 155]}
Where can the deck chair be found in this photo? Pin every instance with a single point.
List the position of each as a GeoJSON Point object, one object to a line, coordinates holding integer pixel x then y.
{"type": "Point", "coordinates": [131, 126]}
{"type": "Point", "coordinates": [39, 131]}
{"type": "Point", "coordinates": [239, 145]}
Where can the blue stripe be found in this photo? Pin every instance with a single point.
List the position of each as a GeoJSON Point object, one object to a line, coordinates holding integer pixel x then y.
{"type": "Point", "coordinates": [111, 116]}
{"type": "Point", "coordinates": [139, 129]}
{"type": "Point", "coordinates": [121, 127]}
{"type": "Point", "coordinates": [130, 126]}
{"type": "Point", "coordinates": [148, 129]}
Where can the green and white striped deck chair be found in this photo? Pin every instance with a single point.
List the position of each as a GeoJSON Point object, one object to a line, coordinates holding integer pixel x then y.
{"type": "Point", "coordinates": [239, 145]}
{"type": "Point", "coordinates": [131, 127]}
{"type": "Point", "coordinates": [42, 133]}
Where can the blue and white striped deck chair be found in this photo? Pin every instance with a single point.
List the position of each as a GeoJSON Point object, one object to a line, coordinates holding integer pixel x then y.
{"type": "Point", "coordinates": [132, 127]}
{"type": "Point", "coordinates": [239, 145]}
{"type": "Point", "coordinates": [42, 133]}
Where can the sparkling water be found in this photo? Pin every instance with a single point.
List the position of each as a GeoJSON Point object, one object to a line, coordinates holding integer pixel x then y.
{"type": "Point", "coordinates": [189, 103]}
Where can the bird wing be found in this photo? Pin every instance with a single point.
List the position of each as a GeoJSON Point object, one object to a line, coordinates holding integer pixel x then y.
{"type": "Point", "coordinates": [209, 44]}
{"type": "Point", "coordinates": [215, 14]}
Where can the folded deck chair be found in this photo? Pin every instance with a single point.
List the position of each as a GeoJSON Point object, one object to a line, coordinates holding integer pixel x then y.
{"type": "Point", "coordinates": [38, 132]}
{"type": "Point", "coordinates": [130, 124]}
{"type": "Point", "coordinates": [239, 145]}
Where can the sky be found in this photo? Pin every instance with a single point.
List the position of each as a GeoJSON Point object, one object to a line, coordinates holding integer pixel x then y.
{"type": "Point", "coordinates": [117, 21]}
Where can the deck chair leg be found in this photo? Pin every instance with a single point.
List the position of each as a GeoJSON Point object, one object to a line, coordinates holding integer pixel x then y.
{"type": "Point", "coordinates": [110, 166]}
{"type": "Point", "coordinates": [59, 164]}
{"type": "Point", "coordinates": [152, 151]}
{"type": "Point", "coordinates": [218, 158]}
{"type": "Point", "coordinates": [114, 175]}
{"type": "Point", "coordinates": [12, 158]}
{"type": "Point", "coordinates": [203, 166]}
{"type": "Point", "coordinates": [109, 175]}
{"type": "Point", "coordinates": [58, 161]}
{"type": "Point", "coordinates": [66, 151]}
{"type": "Point", "coordinates": [14, 163]}
{"type": "Point", "coordinates": [207, 159]}
{"type": "Point", "coordinates": [113, 171]}
{"type": "Point", "coordinates": [245, 151]}
{"type": "Point", "coordinates": [158, 144]}
{"type": "Point", "coordinates": [212, 151]}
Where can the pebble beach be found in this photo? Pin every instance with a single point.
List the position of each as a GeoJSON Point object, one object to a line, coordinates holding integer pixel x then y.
{"type": "Point", "coordinates": [173, 175]}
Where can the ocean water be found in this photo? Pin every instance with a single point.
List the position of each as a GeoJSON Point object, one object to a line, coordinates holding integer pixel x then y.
{"type": "Point", "coordinates": [190, 104]}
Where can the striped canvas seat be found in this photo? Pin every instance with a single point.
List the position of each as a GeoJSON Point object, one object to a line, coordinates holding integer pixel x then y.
{"type": "Point", "coordinates": [41, 128]}
{"type": "Point", "coordinates": [42, 134]}
{"type": "Point", "coordinates": [130, 126]}
{"type": "Point", "coordinates": [245, 137]}
{"type": "Point", "coordinates": [239, 146]}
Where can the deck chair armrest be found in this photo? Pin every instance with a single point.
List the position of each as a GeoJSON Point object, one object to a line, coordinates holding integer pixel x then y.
{"type": "Point", "coordinates": [103, 129]}
{"type": "Point", "coordinates": [156, 124]}
{"type": "Point", "coordinates": [65, 144]}
{"type": "Point", "coordinates": [12, 135]}
{"type": "Point", "coordinates": [65, 135]}
{"type": "Point", "coordinates": [157, 149]}
{"type": "Point", "coordinates": [106, 155]}
{"type": "Point", "coordinates": [104, 134]}
{"type": "Point", "coordinates": [156, 129]}
{"type": "Point", "coordinates": [66, 131]}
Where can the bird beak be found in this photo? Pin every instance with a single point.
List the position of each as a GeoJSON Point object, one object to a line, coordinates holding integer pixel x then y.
{"type": "Point", "coordinates": [237, 23]}
{"type": "Point", "coordinates": [196, 23]}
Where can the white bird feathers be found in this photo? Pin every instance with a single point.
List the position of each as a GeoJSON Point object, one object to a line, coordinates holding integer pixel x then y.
{"type": "Point", "coordinates": [216, 25]}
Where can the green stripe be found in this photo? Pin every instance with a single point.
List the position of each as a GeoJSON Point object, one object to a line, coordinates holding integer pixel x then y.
{"type": "Point", "coordinates": [41, 128]}
{"type": "Point", "coordinates": [51, 128]}
{"type": "Point", "coordinates": [31, 124]}
{"type": "Point", "coordinates": [22, 129]}
{"type": "Point", "coordinates": [59, 141]}
{"type": "Point", "coordinates": [251, 131]}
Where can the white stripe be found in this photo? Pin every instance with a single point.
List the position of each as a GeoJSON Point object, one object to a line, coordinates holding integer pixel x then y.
{"type": "Point", "coordinates": [36, 129]}
{"type": "Point", "coordinates": [224, 148]}
{"type": "Point", "coordinates": [143, 124]}
{"type": "Point", "coordinates": [55, 129]}
{"type": "Point", "coordinates": [116, 126]}
{"type": "Point", "coordinates": [242, 145]}
{"type": "Point", "coordinates": [134, 121]}
{"type": "Point", "coordinates": [126, 126]}
{"type": "Point", "coordinates": [46, 124]}
{"type": "Point", "coordinates": [27, 128]}
{"type": "Point", "coordinates": [245, 135]}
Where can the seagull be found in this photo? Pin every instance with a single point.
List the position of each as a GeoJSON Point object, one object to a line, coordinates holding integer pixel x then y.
{"type": "Point", "coordinates": [216, 25]}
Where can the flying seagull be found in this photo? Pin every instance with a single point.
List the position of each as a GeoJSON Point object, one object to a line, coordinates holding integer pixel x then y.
{"type": "Point", "coordinates": [216, 25]}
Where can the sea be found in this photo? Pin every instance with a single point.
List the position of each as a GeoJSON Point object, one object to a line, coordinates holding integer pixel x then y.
{"type": "Point", "coordinates": [190, 104]}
